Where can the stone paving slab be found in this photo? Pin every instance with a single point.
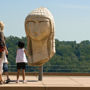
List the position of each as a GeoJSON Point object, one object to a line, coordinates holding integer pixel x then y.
{"type": "Point", "coordinates": [64, 82]}
{"type": "Point", "coordinates": [54, 81]}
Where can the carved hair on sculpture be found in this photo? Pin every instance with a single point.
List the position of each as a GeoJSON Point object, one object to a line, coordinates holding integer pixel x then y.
{"type": "Point", "coordinates": [39, 28]}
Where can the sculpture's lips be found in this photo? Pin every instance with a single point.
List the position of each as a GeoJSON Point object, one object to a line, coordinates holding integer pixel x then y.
{"type": "Point", "coordinates": [38, 38]}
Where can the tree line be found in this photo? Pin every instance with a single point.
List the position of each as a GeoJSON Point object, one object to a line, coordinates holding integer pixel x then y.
{"type": "Point", "coordinates": [69, 57]}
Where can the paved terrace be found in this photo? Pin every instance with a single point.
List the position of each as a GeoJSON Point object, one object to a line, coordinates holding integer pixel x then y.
{"type": "Point", "coordinates": [49, 83]}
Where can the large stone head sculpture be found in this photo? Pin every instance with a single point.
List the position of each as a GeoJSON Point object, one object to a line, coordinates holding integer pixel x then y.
{"type": "Point", "coordinates": [39, 27]}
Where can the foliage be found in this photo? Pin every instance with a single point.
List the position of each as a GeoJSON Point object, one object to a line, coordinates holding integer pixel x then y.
{"type": "Point", "coordinates": [70, 56]}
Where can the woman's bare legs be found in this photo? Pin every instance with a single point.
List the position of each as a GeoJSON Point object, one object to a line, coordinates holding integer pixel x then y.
{"type": "Point", "coordinates": [1, 66]}
{"type": "Point", "coordinates": [1, 77]}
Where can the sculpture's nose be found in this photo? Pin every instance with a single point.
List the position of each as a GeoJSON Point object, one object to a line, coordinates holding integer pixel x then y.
{"type": "Point", "coordinates": [37, 29]}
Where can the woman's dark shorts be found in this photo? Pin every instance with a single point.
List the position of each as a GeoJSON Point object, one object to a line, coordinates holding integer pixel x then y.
{"type": "Point", "coordinates": [21, 65]}
{"type": "Point", "coordinates": [5, 67]}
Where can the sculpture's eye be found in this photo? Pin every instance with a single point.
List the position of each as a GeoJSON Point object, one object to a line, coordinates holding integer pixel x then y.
{"type": "Point", "coordinates": [41, 21]}
{"type": "Point", "coordinates": [32, 21]}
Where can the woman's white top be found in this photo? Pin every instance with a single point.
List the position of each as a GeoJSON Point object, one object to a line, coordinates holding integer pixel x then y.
{"type": "Point", "coordinates": [21, 57]}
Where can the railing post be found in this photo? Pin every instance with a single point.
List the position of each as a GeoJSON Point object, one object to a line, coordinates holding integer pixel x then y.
{"type": "Point", "coordinates": [40, 73]}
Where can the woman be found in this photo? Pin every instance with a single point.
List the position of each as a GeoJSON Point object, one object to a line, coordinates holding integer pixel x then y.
{"type": "Point", "coordinates": [2, 50]}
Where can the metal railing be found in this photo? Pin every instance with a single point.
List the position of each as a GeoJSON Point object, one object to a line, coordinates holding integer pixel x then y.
{"type": "Point", "coordinates": [54, 68]}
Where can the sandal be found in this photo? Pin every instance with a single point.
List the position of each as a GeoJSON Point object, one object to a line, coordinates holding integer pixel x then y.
{"type": "Point", "coordinates": [7, 81]}
{"type": "Point", "coordinates": [1, 82]}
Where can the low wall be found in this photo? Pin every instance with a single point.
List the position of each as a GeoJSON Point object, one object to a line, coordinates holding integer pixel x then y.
{"type": "Point", "coordinates": [54, 74]}
{"type": "Point", "coordinates": [45, 88]}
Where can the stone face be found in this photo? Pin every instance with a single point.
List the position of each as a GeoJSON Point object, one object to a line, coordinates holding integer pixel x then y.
{"type": "Point", "coordinates": [39, 28]}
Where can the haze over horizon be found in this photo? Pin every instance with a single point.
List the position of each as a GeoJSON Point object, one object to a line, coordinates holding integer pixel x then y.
{"type": "Point", "coordinates": [72, 17]}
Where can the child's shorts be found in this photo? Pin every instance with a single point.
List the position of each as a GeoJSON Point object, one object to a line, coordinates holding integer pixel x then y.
{"type": "Point", "coordinates": [21, 65]}
{"type": "Point", "coordinates": [5, 67]}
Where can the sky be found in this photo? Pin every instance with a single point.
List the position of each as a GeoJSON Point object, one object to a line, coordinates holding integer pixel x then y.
{"type": "Point", "coordinates": [72, 17]}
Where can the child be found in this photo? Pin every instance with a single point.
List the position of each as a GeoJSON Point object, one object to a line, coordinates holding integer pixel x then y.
{"type": "Point", "coordinates": [21, 60]}
{"type": "Point", "coordinates": [5, 66]}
